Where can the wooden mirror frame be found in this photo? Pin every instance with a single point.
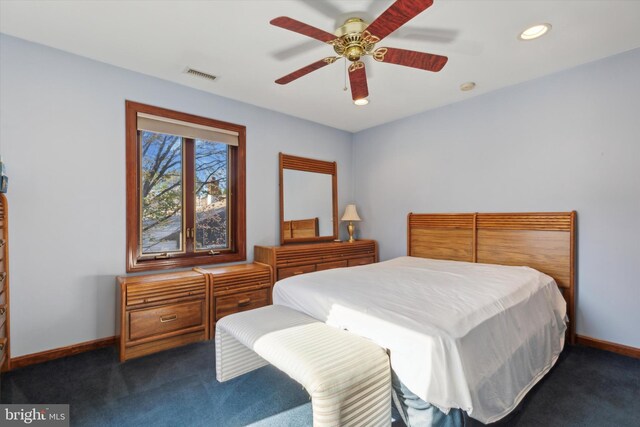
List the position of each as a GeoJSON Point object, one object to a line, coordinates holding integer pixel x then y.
{"type": "Point", "coordinates": [309, 165]}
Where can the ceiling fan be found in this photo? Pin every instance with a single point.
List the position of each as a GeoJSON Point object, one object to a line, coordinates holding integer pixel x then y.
{"type": "Point", "coordinates": [356, 39]}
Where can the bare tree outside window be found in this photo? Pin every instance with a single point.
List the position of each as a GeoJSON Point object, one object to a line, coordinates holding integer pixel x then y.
{"type": "Point", "coordinates": [161, 192]}
{"type": "Point", "coordinates": [211, 195]}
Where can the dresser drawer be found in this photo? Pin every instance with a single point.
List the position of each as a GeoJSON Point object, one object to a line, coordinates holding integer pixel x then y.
{"type": "Point", "coordinates": [3, 349]}
{"type": "Point", "coordinates": [164, 291]}
{"type": "Point", "coordinates": [330, 265]}
{"type": "Point", "coordinates": [361, 261]}
{"type": "Point", "coordinates": [242, 301]}
{"type": "Point", "coordinates": [294, 271]}
{"type": "Point", "coordinates": [3, 294]}
{"type": "Point", "coordinates": [164, 319]}
{"type": "Point", "coordinates": [258, 278]}
{"type": "Point", "coordinates": [3, 320]}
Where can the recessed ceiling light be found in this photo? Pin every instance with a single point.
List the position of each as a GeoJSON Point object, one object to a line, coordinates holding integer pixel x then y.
{"type": "Point", "coordinates": [465, 87]}
{"type": "Point", "coordinates": [535, 31]}
{"type": "Point", "coordinates": [361, 101]}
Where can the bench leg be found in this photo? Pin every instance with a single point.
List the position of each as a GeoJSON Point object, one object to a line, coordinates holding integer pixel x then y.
{"type": "Point", "coordinates": [233, 358]}
{"type": "Point", "coordinates": [366, 403]}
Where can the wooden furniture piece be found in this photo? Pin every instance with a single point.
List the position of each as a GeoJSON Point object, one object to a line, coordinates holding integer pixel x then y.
{"type": "Point", "coordinates": [295, 163]}
{"type": "Point", "coordinates": [298, 228]}
{"type": "Point", "coordinates": [237, 288]}
{"type": "Point", "coordinates": [292, 260]}
{"type": "Point", "coordinates": [162, 311]}
{"type": "Point", "coordinates": [5, 342]}
{"type": "Point", "coordinates": [544, 241]}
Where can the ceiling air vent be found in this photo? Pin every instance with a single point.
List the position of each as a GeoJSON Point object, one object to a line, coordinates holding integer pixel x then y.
{"type": "Point", "coordinates": [200, 74]}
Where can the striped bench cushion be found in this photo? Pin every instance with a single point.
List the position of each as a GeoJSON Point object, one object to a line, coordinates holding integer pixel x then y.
{"type": "Point", "coordinates": [347, 376]}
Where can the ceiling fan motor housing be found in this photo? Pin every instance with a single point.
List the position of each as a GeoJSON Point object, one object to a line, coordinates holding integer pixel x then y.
{"type": "Point", "coordinates": [351, 43]}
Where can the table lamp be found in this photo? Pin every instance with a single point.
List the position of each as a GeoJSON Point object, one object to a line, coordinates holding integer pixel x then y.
{"type": "Point", "coordinates": [351, 214]}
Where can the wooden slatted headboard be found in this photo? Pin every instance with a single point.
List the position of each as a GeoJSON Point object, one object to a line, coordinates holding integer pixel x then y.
{"type": "Point", "coordinates": [297, 228]}
{"type": "Point", "coordinates": [542, 240]}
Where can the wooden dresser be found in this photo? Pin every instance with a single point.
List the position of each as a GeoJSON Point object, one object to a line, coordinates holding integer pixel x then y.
{"type": "Point", "coordinates": [291, 260]}
{"type": "Point", "coordinates": [162, 311]}
{"type": "Point", "coordinates": [5, 354]}
{"type": "Point", "coordinates": [238, 288]}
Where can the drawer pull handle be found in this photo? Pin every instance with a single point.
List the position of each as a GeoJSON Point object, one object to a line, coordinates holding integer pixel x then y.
{"type": "Point", "coordinates": [244, 302]}
{"type": "Point", "coordinates": [170, 318]}
{"type": "Point", "coordinates": [163, 256]}
{"type": "Point", "coordinates": [295, 273]}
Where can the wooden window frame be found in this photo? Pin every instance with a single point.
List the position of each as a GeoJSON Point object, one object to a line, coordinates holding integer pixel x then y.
{"type": "Point", "coordinates": [237, 186]}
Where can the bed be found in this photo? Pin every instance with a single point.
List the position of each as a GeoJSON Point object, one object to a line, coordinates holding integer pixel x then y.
{"type": "Point", "coordinates": [472, 317]}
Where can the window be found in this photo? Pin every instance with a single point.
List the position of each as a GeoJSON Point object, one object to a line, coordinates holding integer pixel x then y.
{"type": "Point", "coordinates": [185, 189]}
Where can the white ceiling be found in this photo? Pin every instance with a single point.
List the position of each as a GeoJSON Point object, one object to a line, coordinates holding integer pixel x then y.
{"type": "Point", "coordinates": [234, 41]}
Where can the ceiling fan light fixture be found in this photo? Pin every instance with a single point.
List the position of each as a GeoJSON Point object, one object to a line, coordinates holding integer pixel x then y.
{"type": "Point", "coordinates": [361, 101]}
{"type": "Point", "coordinates": [534, 32]}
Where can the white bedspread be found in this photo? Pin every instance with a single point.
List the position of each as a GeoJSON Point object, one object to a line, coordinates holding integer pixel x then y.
{"type": "Point", "coordinates": [460, 335]}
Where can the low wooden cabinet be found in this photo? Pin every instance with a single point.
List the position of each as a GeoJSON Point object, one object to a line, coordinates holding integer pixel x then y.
{"type": "Point", "coordinates": [238, 288]}
{"type": "Point", "coordinates": [162, 311]}
{"type": "Point", "coordinates": [291, 260]}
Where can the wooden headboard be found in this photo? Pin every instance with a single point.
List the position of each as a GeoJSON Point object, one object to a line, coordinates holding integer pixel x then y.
{"type": "Point", "coordinates": [297, 228]}
{"type": "Point", "coordinates": [542, 240]}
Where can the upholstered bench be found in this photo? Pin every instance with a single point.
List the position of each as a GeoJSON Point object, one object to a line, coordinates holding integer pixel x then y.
{"type": "Point", "coordinates": [348, 377]}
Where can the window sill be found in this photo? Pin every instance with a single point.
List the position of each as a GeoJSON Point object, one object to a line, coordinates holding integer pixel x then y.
{"type": "Point", "coordinates": [181, 262]}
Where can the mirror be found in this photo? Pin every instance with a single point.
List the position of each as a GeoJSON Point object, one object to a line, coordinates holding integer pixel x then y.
{"type": "Point", "coordinates": [308, 200]}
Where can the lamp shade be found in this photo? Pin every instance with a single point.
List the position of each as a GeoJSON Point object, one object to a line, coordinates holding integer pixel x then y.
{"type": "Point", "coordinates": [350, 214]}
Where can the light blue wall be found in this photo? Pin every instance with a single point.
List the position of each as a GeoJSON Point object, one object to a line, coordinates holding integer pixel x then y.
{"type": "Point", "coordinates": [62, 137]}
{"type": "Point", "coordinates": [569, 141]}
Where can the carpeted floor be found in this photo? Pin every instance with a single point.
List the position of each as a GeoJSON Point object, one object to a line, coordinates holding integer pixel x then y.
{"type": "Point", "coordinates": [178, 388]}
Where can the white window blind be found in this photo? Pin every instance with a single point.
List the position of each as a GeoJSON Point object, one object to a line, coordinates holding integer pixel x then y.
{"type": "Point", "coordinates": [150, 123]}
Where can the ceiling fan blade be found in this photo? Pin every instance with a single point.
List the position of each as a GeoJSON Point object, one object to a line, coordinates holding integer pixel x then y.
{"type": "Point", "coordinates": [302, 28]}
{"type": "Point", "coordinates": [358, 80]}
{"type": "Point", "coordinates": [306, 70]}
{"type": "Point", "coordinates": [410, 58]}
{"type": "Point", "coordinates": [302, 47]}
{"type": "Point", "coordinates": [396, 16]}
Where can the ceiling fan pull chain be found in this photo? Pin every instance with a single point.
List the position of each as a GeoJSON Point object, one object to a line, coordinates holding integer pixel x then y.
{"type": "Point", "coordinates": [345, 75]}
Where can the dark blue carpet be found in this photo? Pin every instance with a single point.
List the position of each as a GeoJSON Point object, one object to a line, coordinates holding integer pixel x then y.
{"type": "Point", "coordinates": [178, 388]}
